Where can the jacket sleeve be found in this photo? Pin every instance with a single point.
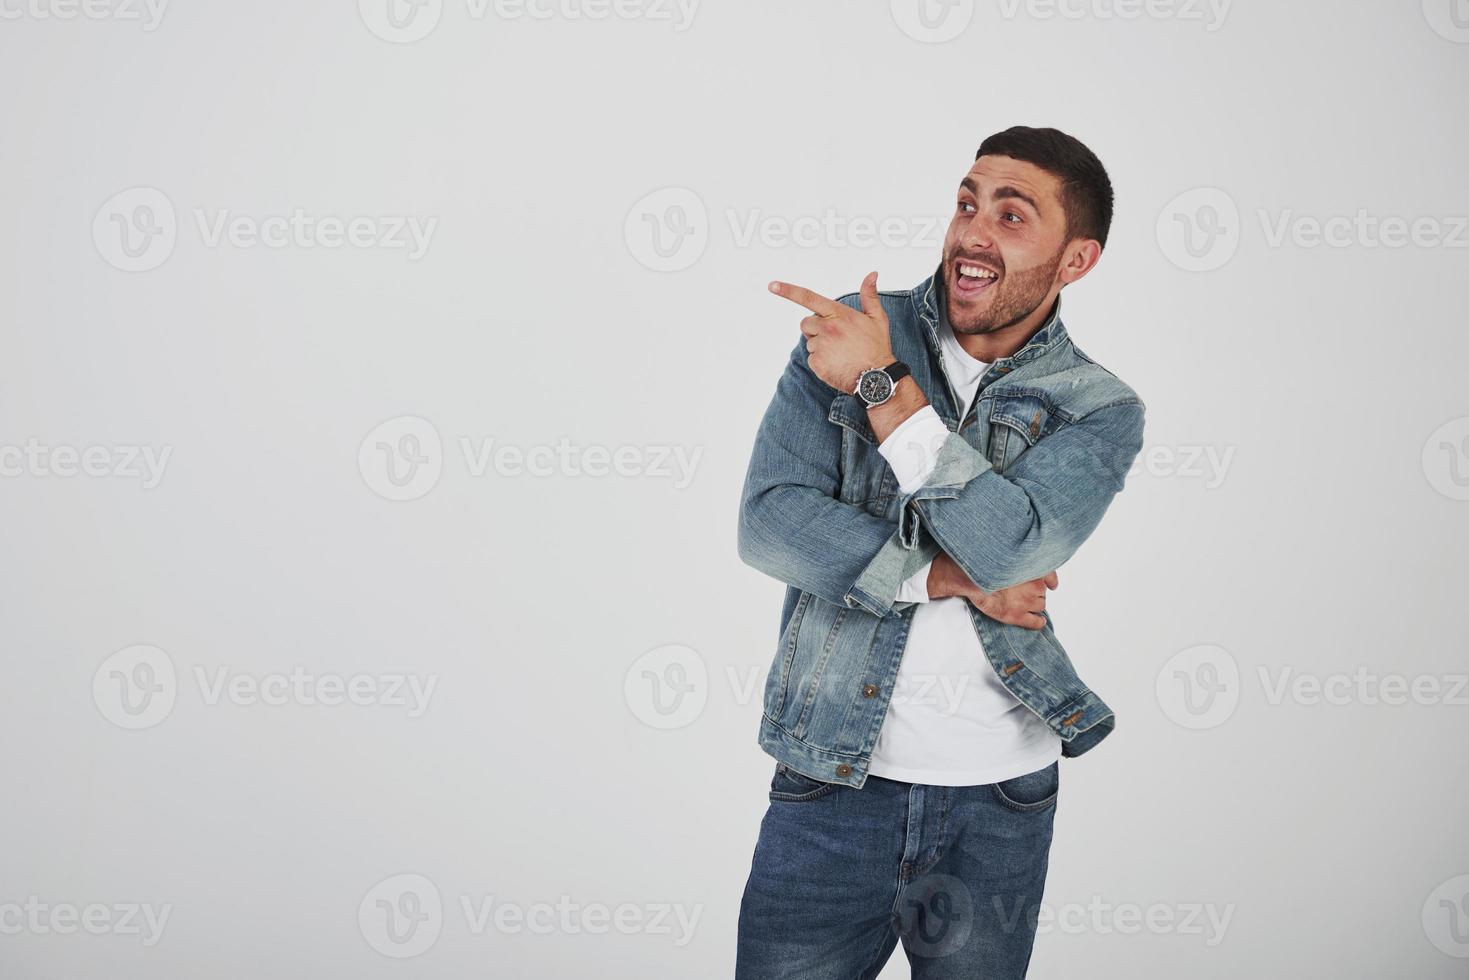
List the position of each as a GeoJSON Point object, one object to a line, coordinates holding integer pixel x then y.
{"type": "Point", "coordinates": [792, 524]}
{"type": "Point", "coordinates": [1004, 530]}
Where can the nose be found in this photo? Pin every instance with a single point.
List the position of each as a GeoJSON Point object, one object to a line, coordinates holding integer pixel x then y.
{"type": "Point", "coordinates": [977, 235]}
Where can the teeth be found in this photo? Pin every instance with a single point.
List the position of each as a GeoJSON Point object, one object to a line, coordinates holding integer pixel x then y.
{"type": "Point", "coordinates": [975, 272]}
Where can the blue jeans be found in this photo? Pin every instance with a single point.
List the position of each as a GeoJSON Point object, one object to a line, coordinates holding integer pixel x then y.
{"type": "Point", "coordinates": [841, 874]}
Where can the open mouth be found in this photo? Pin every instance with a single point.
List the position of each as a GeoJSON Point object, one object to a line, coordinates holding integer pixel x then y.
{"type": "Point", "coordinates": [971, 279]}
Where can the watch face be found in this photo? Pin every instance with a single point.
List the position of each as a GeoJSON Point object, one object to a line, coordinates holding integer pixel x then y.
{"type": "Point", "coordinates": [874, 386]}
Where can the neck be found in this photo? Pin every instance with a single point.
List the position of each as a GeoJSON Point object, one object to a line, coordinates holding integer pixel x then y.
{"type": "Point", "coordinates": [990, 347]}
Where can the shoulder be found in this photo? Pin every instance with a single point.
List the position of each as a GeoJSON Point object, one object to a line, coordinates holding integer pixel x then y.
{"type": "Point", "coordinates": [1075, 385]}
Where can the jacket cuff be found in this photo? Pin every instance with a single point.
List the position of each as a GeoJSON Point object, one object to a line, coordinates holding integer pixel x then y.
{"type": "Point", "coordinates": [876, 589]}
{"type": "Point", "coordinates": [956, 463]}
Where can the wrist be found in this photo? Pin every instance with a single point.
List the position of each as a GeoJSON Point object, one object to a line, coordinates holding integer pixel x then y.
{"type": "Point", "coordinates": [940, 578]}
{"type": "Point", "coordinates": [907, 398]}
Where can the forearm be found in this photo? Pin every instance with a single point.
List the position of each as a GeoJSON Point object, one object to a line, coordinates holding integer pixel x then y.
{"type": "Point", "coordinates": [1005, 530]}
{"type": "Point", "coordinates": [793, 524]}
{"type": "Point", "coordinates": [817, 544]}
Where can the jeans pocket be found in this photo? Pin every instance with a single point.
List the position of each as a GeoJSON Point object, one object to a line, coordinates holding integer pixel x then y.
{"type": "Point", "coordinates": [1031, 792]}
{"type": "Point", "coordinates": [789, 786]}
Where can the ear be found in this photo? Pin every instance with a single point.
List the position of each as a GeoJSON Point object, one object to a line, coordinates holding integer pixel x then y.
{"type": "Point", "coordinates": [1081, 256]}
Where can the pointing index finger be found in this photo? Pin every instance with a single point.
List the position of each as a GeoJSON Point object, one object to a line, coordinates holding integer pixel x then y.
{"type": "Point", "coordinates": [815, 302]}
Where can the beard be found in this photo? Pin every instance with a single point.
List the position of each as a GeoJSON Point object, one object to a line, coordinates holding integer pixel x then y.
{"type": "Point", "coordinates": [1014, 298]}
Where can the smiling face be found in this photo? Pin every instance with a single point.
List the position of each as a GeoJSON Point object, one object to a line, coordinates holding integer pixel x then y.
{"type": "Point", "coordinates": [1007, 252]}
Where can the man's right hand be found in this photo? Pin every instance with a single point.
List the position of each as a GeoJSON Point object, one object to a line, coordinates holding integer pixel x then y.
{"type": "Point", "coordinates": [1019, 605]}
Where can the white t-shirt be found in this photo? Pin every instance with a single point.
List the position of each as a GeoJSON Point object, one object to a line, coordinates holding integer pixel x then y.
{"type": "Point", "coordinates": [950, 721]}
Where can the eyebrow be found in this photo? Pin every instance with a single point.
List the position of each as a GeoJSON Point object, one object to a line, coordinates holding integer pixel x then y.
{"type": "Point", "coordinates": [1002, 193]}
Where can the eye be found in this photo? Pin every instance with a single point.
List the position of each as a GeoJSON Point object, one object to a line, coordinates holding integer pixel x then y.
{"type": "Point", "coordinates": [1011, 214]}
{"type": "Point", "coordinates": [965, 207]}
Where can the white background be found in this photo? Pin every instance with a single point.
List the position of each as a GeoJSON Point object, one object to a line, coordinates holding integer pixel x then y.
{"type": "Point", "coordinates": [1329, 538]}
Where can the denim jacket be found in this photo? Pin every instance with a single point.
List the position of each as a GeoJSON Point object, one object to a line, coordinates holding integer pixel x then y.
{"type": "Point", "coordinates": [1020, 483]}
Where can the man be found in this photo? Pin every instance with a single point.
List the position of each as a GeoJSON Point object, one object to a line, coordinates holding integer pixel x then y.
{"type": "Point", "coordinates": [929, 459]}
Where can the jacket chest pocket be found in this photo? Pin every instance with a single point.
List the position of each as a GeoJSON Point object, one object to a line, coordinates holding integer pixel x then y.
{"type": "Point", "coordinates": [866, 479]}
{"type": "Point", "coordinates": [1019, 418]}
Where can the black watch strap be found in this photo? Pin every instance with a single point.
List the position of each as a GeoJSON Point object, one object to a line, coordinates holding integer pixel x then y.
{"type": "Point", "coordinates": [897, 371]}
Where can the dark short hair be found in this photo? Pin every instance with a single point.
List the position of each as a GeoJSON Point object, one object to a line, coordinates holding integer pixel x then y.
{"type": "Point", "coordinates": [1086, 191]}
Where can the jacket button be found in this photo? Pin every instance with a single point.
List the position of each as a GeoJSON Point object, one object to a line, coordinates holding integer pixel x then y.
{"type": "Point", "coordinates": [844, 770]}
{"type": "Point", "coordinates": [869, 690]}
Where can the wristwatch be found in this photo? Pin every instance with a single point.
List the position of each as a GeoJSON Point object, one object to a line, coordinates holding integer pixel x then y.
{"type": "Point", "coordinates": [876, 385]}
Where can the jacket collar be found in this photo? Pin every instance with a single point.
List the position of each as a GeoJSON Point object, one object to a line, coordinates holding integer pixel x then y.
{"type": "Point", "coordinates": [928, 298]}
